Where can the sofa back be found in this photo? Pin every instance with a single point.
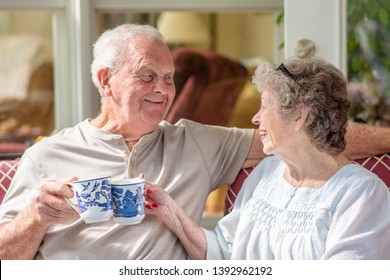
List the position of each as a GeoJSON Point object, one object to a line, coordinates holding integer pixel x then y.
{"type": "Point", "coordinates": [7, 172]}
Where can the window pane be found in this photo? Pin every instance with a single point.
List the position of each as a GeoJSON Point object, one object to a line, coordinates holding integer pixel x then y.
{"type": "Point", "coordinates": [26, 75]}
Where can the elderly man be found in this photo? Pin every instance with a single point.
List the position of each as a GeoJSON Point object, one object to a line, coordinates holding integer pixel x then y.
{"type": "Point", "coordinates": [133, 70]}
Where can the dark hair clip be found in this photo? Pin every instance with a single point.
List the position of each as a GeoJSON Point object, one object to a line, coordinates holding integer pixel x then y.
{"type": "Point", "coordinates": [285, 71]}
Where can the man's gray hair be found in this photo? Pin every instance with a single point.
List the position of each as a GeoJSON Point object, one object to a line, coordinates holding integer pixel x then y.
{"type": "Point", "coordinates": [109, 47]}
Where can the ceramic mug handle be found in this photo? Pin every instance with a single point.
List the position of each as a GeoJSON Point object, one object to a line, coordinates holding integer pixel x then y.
{"type": "Point", "coordinates": [72, 201]}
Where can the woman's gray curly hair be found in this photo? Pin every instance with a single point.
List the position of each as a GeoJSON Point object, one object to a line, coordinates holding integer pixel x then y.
{"type": "Point", "coordinates": [321, 87]}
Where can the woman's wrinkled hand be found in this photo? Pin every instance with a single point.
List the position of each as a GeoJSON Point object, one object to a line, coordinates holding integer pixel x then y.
{"type": "Point", "coordinates": [157, 200]}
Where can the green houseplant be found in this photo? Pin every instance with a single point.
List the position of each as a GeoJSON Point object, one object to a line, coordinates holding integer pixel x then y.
{"type": "Point", "coordinates": [369, 60]}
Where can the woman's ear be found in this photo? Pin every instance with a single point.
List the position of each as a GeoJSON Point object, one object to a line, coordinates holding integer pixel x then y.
{"type": "Point", "coordinates": [302, 116]}
{"type": "Point", "coordinates": [103, 76]}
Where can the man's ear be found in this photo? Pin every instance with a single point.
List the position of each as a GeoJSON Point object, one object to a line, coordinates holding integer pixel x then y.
{"type": "Point", "coordinates": [302, 116]}
{"type": "Point", "coordinates": [103, 76]}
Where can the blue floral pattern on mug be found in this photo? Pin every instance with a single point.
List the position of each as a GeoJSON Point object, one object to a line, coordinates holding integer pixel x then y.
{"type": "Point", "coordinates": [126, 203]}
{"type": "Point", "coordinates": [92, 196]}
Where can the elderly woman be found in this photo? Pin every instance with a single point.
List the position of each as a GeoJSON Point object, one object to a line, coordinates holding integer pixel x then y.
{"type": "Point", "coordinates": [307, 201]}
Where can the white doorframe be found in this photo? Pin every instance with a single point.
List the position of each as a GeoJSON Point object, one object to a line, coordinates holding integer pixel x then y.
{"type": "Point", "coordinates": [321, 21]}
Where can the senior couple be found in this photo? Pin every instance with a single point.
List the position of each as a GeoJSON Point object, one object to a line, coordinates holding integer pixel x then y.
{"type": "Point", "coordinates": [303, 201]}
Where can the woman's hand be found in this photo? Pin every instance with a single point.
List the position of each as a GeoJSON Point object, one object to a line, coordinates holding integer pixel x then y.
{"type": "Point", "coordinates": [157, 200]}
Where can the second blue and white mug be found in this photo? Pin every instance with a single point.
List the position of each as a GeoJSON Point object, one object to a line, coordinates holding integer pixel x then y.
{"type": "Point", "coordinates": [128, 198]}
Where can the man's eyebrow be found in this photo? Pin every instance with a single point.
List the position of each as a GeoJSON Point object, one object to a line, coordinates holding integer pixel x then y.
{"type": "Point", "coordinates": [144, 68]}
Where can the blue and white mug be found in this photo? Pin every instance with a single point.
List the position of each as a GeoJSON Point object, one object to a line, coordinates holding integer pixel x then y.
{"type": "Point", "coordinates": [128, 197]}
{"type": "Point", "coordinates": [92, 199]}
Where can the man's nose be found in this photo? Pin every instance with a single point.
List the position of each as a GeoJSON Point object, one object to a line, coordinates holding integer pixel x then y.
{"type": "Point", "coordinates": [256, 119]}
{"type": "Point", "coordinates": [161, 85]}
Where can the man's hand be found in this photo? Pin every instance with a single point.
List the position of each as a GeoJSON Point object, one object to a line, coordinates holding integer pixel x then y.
{"type": "Point", "coordinates": [49, 204]}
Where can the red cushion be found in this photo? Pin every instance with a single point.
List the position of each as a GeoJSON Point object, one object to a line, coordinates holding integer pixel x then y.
{"type": "Point", "coordinates": [234, 188]}
{"type": "Point", "coordinates": [379, 164]}
{"type": "Point", "coordinates": [7, 171]}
